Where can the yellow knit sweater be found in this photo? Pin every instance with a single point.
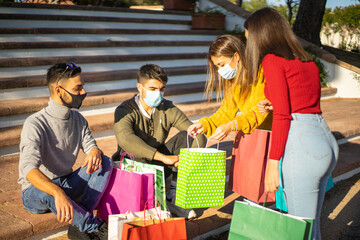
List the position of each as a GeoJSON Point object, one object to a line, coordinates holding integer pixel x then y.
{"type": "Point", "coordinates": [246, 121]}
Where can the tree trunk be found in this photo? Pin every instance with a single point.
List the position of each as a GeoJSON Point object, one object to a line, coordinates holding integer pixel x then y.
{"type": "Point", "coordinates": [290, 10]}
{"type": "Point", "coordinates": [308, 20]}
{"type": "Point", "coordinates": [240, 2]}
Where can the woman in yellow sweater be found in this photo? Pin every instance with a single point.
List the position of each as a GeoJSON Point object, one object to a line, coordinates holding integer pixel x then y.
{"type": "Point", "coordinates": [226, 75]}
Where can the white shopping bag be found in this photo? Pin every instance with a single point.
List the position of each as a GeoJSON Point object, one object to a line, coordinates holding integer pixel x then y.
{"type": "Point", "coordinates": [116, 221]}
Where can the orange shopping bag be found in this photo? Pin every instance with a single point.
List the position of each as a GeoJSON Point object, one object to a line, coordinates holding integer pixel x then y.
{"type": "Point", "coordinates": [155, 229]}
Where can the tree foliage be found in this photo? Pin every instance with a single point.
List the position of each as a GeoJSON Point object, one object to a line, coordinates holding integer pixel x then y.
{"type": "Point", "coordinates": [253, 5]}
{"type": "Point", "coordinates": [345, 21]}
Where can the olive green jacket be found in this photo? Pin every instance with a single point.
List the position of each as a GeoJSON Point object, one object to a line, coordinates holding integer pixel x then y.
{"type": "Point", "coordinates": [142, 136]}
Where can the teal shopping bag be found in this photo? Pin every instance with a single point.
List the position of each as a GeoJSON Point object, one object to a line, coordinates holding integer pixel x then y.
{"type": "Point", "coordinates": [279, 194]}
{"type": "Point", "coordinates": [201, 178]}
{"type": "Point", "coordinates": [253, 222]}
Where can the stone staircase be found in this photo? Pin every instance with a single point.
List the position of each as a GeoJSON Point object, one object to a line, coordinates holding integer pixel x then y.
{"type": "Point", "coordinates": [109, 44]}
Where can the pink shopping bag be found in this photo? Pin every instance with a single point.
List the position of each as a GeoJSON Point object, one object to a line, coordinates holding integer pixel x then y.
{"type": "Point", "coordinates": [127, 190]}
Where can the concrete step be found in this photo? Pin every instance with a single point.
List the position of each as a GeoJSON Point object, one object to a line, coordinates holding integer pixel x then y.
{"type": "Point", "coordinates": [19, 72]}
{"type": "Point", "coordinates": [41, 61]}
{"type": "Point", "coordinates": [78, 10]}
{"type": "Point", "coordinates": [101, 44]}
{"type": "Point", "coordinates": [49, 18]}
{"type": "Point", "coordinates": [81, 22]}
{"type": "Point", "coordinates": [10, 136]}
{"type": "Point", "coordinates": [23, 87]}
{"type": "Point", "coordinates": [96, 34]}
{"type": "Point", "coordinates": [9, 55]}
{"type": "Point", "coordinates": [342, 128]}
{"type": "Point", "coordinates": [22, 106]}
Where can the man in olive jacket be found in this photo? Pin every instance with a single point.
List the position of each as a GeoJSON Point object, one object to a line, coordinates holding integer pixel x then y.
{"type": "Point", "coordinates": [143, 123]}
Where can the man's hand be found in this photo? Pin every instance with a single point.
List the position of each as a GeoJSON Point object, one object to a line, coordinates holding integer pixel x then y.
{"type": "Point", "coordinates": [223, 131]}
{"type": "Point", "coordinates": [264, 106]}
{"type": "Point", "coordinates": [93, 160]}
{"type": "Point", "coordinates": [64, 207]}
{"type": "Point", "coordinates": [195, 129]}
{"type": "Point", "coordinates": [167, 159]}
{"type": "Point", "coordinates": [272, 176]}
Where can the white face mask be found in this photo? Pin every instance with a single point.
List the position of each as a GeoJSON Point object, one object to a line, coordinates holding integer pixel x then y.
{"type": "Point", "coordinates": [153, 98]}
{"type": "Point", "coordinates": [227, 72]}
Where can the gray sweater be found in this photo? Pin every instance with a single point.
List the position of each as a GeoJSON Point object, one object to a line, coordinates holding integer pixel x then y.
{"type": "Point", "coordinates": [51, 140]}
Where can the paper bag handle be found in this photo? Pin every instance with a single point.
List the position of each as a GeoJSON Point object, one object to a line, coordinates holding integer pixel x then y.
{"type": "Point", "coordinates": [146, 205]}
{"type": "Point", "coordinates": [131, 157]}
{"type": "Point", "coordinates": [187, 141]}
{"type": "Point", "coordinates": [207, 141]}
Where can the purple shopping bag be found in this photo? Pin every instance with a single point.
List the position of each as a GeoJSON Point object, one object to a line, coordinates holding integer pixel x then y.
{"type": "Point", "coordinates": [127, 190]}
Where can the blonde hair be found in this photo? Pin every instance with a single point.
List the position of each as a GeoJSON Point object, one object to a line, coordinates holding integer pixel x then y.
{"type": "Point", "coordinates": [226, 45]}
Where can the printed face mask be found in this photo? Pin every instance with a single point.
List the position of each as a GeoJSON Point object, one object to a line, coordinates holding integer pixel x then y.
{"type": "Point", "coordinates": [227, 72]}
{"type": "Point", "coordinates": [153, 98]}
{"type": "Point", "coordinates": [76, 100]}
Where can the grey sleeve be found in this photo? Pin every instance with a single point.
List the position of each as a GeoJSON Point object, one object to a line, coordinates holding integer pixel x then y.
{"type": "Point", "coordinates": [88, 141]}
{"type": "Point", "coordinates": [30, 155]}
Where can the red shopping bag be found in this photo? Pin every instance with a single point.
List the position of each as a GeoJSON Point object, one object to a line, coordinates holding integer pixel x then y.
{"type": "Point", "coordinates": [155, 229]}
{"type": "Point", "coordinates": [126, 190]}
{"type": "Point", "coordinates": [248, 165]}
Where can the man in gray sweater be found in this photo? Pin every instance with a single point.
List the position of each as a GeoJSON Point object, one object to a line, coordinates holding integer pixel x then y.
{"type": "Point", "coordinates": [50, 143]}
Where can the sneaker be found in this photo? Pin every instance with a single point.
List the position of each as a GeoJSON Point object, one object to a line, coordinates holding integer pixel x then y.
{"type": "Point", "coordinates": [179, 211]}
{"type": "Point", "coordinates": [75, 234]}
{"type": "Point", "coordinates": [102, 232]}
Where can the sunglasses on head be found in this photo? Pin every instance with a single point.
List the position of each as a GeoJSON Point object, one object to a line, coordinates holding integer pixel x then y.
{"type": "Point", "coordinates": [70, 66]}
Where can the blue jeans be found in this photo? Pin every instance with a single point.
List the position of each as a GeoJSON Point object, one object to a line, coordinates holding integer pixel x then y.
{"type": "Point", "coordinates": [310, 155]}
{"type": "Point", "coordinates": [84, 191]}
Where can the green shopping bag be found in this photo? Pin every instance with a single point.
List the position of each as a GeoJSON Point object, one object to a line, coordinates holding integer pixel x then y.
{"type": "Point", "coordinates": [201, 178]}
{"type": "Point", "coordinates": [251, 221]}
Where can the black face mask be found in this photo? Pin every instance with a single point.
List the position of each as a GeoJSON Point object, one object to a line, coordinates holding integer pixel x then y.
{"type": "Point", "coordinates": [76, 100]}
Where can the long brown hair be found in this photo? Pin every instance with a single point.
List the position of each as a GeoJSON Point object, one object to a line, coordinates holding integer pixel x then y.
{"type": "Point", "coordinates": [269, 32]}
{"type": "Point", "coordinates": [226, 45]}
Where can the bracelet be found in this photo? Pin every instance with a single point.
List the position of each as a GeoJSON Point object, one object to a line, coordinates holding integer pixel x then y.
{"type": "Point", "coordinates": [235, 125]}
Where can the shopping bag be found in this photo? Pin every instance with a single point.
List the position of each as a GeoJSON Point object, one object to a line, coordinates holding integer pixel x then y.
{"type": "Point", "coordinates": [116, 221]}
{"type": "Point", "coordinates": [127, 190]}
{"type": "Point", "coordinates": [159, 177]}
{"type": "Point", "coordinates": [155, 229]}
{"type": "Point", "coordinates": [279, 194]}
{"type": "Point", "coordinates": [330, 183]}
{"type": "Point", "coordinates": [248, 165]}
{"type": "Point", "coordinates": [251, 221]}
{"type": "Point", "coordinates": [201, 178]}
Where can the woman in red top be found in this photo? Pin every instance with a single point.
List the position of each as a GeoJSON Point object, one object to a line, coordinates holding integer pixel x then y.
{"type": "Point", "coordinates": [299, 133]}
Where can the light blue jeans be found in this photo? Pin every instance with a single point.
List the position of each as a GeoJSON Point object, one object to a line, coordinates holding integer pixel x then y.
{"type": "Point", "coordinates": [310, 155]}
{"type": "Point", "coordinates": [84, 191]}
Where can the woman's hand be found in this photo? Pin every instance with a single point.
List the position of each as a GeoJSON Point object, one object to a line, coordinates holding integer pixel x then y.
{"type": "Point", "coordinates": [223, 131]}
{"type": "Point", "coordinates": [272, 176]}
{"type": "Point", "coordinates": [195, 129]}
{"type": "Point", "coordinates": [264, 106]}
